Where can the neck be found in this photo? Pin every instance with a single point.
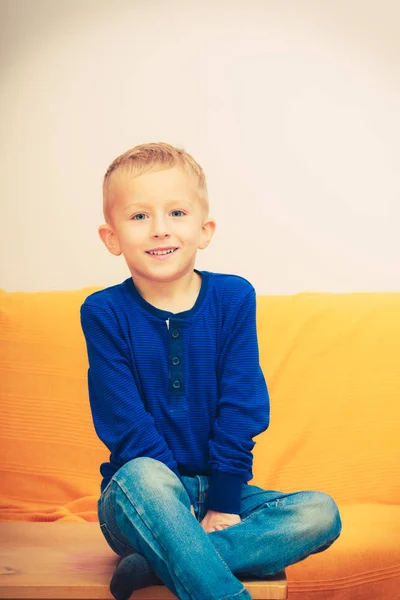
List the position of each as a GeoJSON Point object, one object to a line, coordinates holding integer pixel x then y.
{"type": "Point", "coordinates": [170, 294]}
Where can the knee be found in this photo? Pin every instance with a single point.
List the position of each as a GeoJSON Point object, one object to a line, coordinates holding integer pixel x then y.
{"type": "Point", "coordinates": [146, 473]}
{"type": "Point", "coordinates": [146, 469]}
{"type": "Point", "coordinates": [324, 517]}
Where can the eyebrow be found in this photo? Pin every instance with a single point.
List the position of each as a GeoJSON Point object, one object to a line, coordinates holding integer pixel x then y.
{"type": "Point", "coordinates": [143, 204]}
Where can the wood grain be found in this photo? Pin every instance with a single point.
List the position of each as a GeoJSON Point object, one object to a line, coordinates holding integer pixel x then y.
{"type": "Point", "coordinates": [69, 560]}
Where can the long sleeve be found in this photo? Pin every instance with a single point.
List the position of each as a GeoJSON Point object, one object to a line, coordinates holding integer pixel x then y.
{"type": "Point", "coordinates": [243, 407]}
{"type": "Point", "coordinates": [119, 415]}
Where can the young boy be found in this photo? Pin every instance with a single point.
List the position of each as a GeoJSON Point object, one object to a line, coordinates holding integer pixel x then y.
{"type": "Point", "coordinates": [177, 395]}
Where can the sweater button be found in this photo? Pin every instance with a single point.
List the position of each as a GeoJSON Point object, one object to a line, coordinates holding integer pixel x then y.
{"type": "Point", "coordinates": [175, 333]}
{"type": "Point", "coordinates": [176, 384]}
{"type": "Point", "coordinates": [175, 360]}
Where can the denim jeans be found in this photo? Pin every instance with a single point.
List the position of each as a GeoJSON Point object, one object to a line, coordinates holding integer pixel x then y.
{"type": "Point", "coordinates": [146, 509]}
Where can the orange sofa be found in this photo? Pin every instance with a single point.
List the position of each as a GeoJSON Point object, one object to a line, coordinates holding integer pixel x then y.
{"type": "Point", "coordinates": [332, 364]}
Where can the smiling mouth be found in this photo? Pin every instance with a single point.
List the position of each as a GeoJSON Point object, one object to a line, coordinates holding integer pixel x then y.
{"type": "Point", "coordinates": [162, 255]}
{"type": "Point", "coordinates": [161, 252]}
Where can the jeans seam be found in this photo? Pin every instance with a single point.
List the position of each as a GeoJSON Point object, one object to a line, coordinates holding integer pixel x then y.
{"type": "Point", "coordinates": [222, 560]}
{"type": "Point", "coordinates": [201, 502]}
{"type": "Point", "coordinates": [115, 539]}
{"type": "Point", "coordinates": [121, 486]}
{"type": "Point", "coordinates": [107, 486]}
{"type": "Point", "coordinates": [234, 595]}
{"type": "Point", "coordinates": [103, 521]}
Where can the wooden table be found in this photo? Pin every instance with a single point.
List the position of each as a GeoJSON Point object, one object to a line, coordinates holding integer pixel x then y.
{"type": "Point", "coordinates": [69, 560]}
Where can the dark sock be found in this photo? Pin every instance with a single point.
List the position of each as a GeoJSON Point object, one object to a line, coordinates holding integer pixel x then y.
{"type": "Point", "coordinates": [133, 572]}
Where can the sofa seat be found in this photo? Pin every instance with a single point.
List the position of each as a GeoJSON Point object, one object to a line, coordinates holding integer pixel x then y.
{"type": "Point", "coordinates": [363, 563]}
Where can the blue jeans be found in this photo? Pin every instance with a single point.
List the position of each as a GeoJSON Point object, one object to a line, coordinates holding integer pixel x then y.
{"type": "Point", "coordinates": [146, 509]}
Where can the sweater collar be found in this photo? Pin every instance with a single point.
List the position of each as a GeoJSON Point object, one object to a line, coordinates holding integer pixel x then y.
{"type": "Point", "coordinates": [165, 314]}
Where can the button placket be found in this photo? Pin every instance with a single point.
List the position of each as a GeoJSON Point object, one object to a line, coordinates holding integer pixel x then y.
{"type": "Point", "coordinates": [175, 359]}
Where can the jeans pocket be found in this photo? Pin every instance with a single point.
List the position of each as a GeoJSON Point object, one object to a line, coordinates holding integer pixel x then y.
{"type": "Point", "coordinates": [115, 544]}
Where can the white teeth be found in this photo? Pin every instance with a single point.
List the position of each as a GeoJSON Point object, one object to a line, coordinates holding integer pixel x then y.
{"type": "Point", "coordinates": [162, 252]}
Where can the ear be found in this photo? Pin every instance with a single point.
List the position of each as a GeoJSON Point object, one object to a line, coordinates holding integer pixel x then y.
{"type": "Point", "coordinates": [207, 231]}
{"type": "Point", "coordinates": [109, 239]}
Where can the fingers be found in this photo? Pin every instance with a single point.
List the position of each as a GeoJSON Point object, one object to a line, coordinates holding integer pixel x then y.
{"type": "Point", "coordinates": [215, 528]}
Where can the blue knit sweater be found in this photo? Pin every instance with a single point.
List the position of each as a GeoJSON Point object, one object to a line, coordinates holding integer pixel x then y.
{"type": "Point", "coordinates": [186, 389]}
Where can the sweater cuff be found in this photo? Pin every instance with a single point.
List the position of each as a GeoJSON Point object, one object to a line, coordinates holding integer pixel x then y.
{"type": "Point", "coordinates": [225, 492]}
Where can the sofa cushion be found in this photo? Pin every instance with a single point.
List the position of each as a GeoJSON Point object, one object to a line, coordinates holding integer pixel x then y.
{"type": "Point", "coordinates": [363, 563]}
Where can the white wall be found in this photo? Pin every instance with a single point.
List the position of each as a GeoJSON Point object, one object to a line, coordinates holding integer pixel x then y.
{"type": "Point", "coordinates": [292, 108]}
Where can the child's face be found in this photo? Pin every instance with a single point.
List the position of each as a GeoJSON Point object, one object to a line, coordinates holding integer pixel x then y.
{"type": "Point", "coordinates": [156, 210]}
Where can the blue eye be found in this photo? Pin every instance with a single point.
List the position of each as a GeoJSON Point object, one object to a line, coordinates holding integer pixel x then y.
{"type": "Point", "coordinates": [136, 217]}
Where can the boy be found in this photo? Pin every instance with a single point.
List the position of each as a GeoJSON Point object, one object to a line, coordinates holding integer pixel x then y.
{"type": "Point", "coordinates": [177, 395]}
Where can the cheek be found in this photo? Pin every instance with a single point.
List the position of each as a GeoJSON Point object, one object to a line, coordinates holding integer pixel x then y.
{"type": "Point", "coordinates": [134, 236]}
{"type": "Point", "coordinates": [189, 231]}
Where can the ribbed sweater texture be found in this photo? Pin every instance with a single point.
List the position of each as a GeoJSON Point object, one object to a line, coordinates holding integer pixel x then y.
{"type": "Point", "coordinates": [186, 389]}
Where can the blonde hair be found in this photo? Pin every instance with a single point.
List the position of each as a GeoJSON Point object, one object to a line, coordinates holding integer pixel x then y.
{"type": "Point", "coordinates": [151, 157]}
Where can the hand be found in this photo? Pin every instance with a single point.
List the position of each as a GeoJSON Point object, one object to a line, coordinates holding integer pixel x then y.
{"type": "Point", "coordinates": [192, 510]}
{"type": "Point", "coordinates": [215, 521]}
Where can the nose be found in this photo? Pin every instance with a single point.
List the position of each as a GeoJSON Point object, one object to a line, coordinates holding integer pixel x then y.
{"type": "Point", "coordinates": [160, 227]}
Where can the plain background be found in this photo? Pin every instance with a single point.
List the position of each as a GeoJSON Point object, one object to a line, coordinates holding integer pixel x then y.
{"type": "Point", "coordinates": [291, 107]}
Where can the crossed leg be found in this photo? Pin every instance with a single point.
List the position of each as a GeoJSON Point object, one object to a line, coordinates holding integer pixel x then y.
{"type": "Point", "coordinates": [152, 512]}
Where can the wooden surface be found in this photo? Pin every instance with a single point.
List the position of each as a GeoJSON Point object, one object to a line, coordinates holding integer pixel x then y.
{"type": "Point", "coordinates": [64, 560]}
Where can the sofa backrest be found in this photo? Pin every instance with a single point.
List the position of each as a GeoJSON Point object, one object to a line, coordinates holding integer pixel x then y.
{"type": "Point", "coordinates": [331, 362]}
